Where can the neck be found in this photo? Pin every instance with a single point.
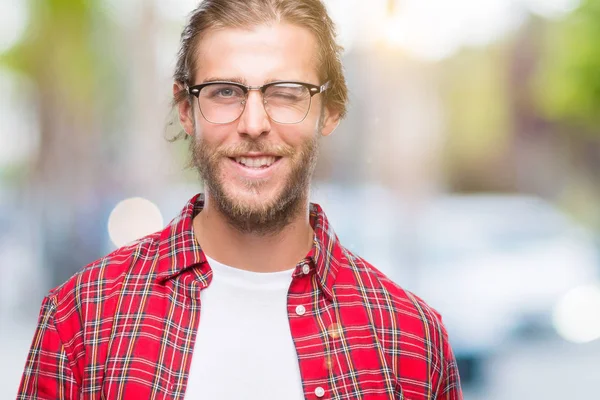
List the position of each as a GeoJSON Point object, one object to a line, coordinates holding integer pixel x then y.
{"type": "Point", "coordinates": [278, 251]}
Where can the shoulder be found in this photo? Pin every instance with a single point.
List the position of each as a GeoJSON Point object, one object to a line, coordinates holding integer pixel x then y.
{"type": "Point", "coordinates": [364, 274]}
{"type": "Point", "coordinates": [397, 306]}
{"type": "Point", "coordinates": [100, 281]}
{"type": "Point", "coordinates": [409, 331]}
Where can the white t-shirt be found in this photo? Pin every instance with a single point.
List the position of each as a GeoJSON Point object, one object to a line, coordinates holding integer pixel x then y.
{"type": "Point", "coordinates": [244, 347]}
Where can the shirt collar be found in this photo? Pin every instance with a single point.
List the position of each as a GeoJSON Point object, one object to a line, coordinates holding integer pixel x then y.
{"type": "Point", "coordinates": [179, 250]}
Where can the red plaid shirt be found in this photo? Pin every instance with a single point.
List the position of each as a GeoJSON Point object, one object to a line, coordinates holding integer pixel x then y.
{"type": "Point", "coordinates": [124, 327]}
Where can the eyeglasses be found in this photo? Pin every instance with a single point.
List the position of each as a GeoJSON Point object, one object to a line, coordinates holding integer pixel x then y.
{"type": "Point", "coordinates": [285, 102]}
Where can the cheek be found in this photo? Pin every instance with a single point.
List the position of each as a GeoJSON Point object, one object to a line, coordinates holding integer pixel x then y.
{"type": "Point", "coordinates": [315, 122]}
{"type": "Point", "coordinates": [297, 135]}
{"type": "Point", "coordinates": [213, 134]}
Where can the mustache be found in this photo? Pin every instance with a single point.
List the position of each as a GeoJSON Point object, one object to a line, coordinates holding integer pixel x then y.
{"type": "Point", "coordinates": [239, 149]}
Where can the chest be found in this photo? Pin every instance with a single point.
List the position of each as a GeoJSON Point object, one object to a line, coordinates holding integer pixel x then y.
{"type": "Point", "coordinates": [320, 348]}
{"type": "Point", "coordinates": [244, 346]}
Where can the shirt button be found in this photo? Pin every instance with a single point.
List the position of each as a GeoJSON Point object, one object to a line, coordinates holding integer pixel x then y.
{"type": "Point", "coordinates": [320, 392]}
{"type": "Point", "coordinates": [300, 310]}
{"type": "Point", "coordinates": [305, 269]}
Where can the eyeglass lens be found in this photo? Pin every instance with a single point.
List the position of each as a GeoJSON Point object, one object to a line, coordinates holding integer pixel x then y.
{"type": "Point", "coordinates": [285, 103]}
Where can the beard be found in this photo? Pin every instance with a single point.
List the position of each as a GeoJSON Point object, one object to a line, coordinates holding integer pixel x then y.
{"type": "Point", "coordinates": [271, 215]}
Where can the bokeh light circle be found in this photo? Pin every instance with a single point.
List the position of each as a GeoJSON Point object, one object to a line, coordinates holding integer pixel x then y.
{"type": "Point", "coordinates": [132, 219]}
{"type": "Point", "coordinates": [576, 316]}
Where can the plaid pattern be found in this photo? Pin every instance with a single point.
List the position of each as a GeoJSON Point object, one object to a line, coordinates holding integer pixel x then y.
{"type": "Point", "coordinates": [124, 327]}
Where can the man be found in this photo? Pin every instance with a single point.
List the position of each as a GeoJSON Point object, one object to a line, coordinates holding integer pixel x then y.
{"type": "Point", "coordinates": [248, 294]}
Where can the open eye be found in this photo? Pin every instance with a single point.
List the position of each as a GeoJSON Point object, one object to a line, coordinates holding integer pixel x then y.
{"type": "Point", "coordinates": [223, 91]}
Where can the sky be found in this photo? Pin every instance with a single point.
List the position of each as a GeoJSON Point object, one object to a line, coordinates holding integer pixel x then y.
{"type": "Point", "coordinates": [435, 29]}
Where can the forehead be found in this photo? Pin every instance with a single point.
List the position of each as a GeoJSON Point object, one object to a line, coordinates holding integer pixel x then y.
{"type": "Point", "coordinates": [259, 54]}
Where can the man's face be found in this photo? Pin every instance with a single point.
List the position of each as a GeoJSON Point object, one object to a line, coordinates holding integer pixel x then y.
{"type": "Point", "coordinates": [257, 172]}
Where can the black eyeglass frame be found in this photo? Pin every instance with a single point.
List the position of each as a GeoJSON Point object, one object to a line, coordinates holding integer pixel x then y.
{"type": "Point", "coordinates": [312, 90]}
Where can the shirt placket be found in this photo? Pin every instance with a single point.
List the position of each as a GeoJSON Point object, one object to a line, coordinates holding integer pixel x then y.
{"type": "Point", "coordinates": [309, 328]}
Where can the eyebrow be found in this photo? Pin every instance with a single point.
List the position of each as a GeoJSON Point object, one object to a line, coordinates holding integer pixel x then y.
{"type": "Point", "coordinates": [237, 79]}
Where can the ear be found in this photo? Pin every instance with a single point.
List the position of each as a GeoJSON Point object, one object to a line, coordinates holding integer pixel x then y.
{"type": "Point", "coordinates": [331, 120]}
{"type": "Point", "coordinates": [184, 110]}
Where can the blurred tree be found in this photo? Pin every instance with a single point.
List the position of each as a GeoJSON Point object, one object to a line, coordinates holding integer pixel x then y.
{"type": "Point", "coordinates": [567, 92]}
{"type": "Point", "coordinates": [475, 87]}
{"type": "Point", "coordinates": [64, 54]}
{"type": "Point", "coordinates": [568, 82]}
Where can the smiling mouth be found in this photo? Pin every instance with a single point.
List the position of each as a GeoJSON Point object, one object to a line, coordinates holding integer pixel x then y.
{"type": "Point", "coordinates": [256, 162]}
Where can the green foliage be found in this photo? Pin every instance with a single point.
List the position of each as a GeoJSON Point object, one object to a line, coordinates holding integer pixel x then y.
{"type": "Point", "coordinates": [475, 94]}
{"type": "Point", "coordinates": [568, 84]}
{"type": "Point", "coordinates": [58, 47]}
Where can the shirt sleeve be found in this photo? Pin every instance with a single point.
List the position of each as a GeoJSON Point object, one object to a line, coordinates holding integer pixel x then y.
{"type": "Point", "coordinates": [48, 374]}
{"type": "Point", "coordinates": [449, 388]}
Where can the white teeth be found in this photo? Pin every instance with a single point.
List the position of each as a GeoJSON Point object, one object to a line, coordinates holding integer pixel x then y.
{"type": "Point", "coordinates": [255, 162]}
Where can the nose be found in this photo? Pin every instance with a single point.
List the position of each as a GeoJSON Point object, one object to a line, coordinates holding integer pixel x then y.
{"type": "Point", "coordinates": [254, 121]}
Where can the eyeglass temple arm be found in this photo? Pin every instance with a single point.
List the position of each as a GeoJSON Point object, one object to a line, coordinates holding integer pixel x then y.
{"type": "Point", "coordinates": [320, 89]}
{"type": "Point", "coordinates": [188, 90]}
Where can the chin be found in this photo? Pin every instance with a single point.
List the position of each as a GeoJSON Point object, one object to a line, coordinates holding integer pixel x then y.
{"type": "Point", "coordinates": [253, 197]}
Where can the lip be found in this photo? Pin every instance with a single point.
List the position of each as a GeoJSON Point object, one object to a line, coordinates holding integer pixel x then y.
{"type": "Point", "coordinates": [251, 154]}
{"type": "Point", "coordinates": [255, 173]}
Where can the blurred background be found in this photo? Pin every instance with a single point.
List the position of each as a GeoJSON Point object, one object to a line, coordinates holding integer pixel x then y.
{"type": "Point", "coordinates": [468, 169]}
